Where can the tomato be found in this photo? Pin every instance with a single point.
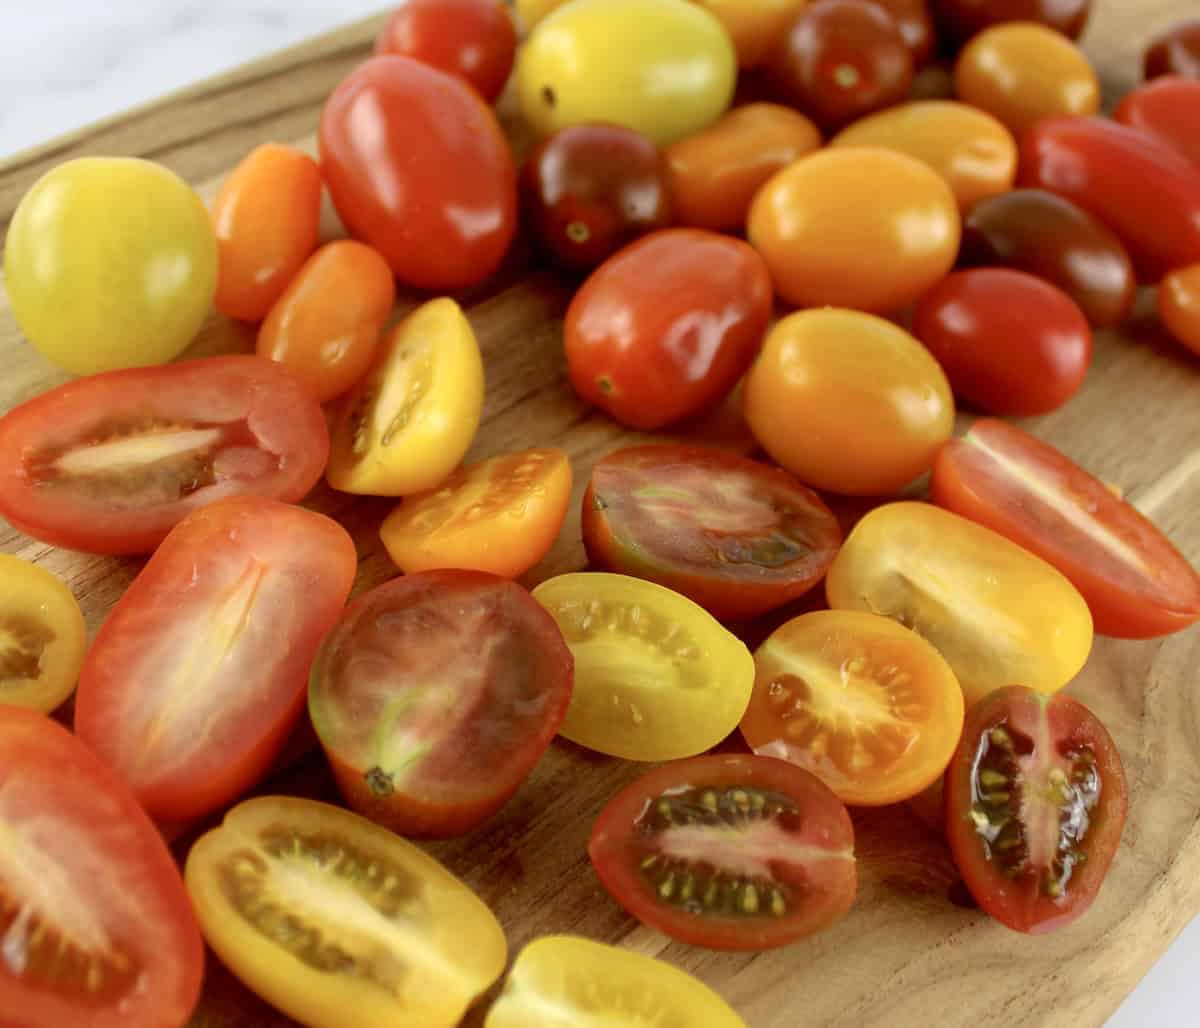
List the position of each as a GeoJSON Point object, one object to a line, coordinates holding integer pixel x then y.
{"type": "Point", "coordinates": [410, 421]}
{"type": "Point", "coordinates": [266, 219]}
{"type": "Point", "coordinates": [865, 227]}
{"type": "Point", "coordinates": [590, 189]}
{"type": "Point", "coordinates": [841, 59]}
{"type": "Point", "coordinates": [530, 12]}
{"type": "Point", "coordinates": [42, 637]}
{"type": "Point", "coordinates": [1175, 52]}
{"type": "Point", "coordinates": [442, 213]}
{"type": "Point", "coordinates": [848, 402]}
{"type": "Point", "coordinates": [656, 677]}
{"type": "Point", "coordinates": [997, 613]}
{"type": "Point", "coordinates": [664, 329]}
{"type": "Point", "coordinates": [1168, 108]}
{"type": "Point", "coordinates": [337, 921]}
{"type": "Point", "coordinates": [728, 851]}
{"type": "Point", "coordinates": [326, 325]}
{"type": "Point", "coordinates": [1035, 804]}
{"type": "Point", "coordinates": [971, 150]}
{"type": "Point", "coordinates": [867, 706]}
{"type": "Point", "coordinates": [98, 930]}
{"type": "Point", "coordinates": [1010, 343]}
{"type": "Point", "coordinates": [197, 676]}
{"type": "Point", "coordinates": [474, 40]}
{"type": "Point", "coordinates": [666, 68]}
{"type": "Point", "coordinates": [561, 980]}
{"type": "Point", "coordinates": [110, 464]}
{"type": "Point", "coordinates": [110, 262]}
{"type": "Point", "coordinates": [1051, 237]}
{"type": "Point", "coordinates": [715, 173]}
{"type": "Point", "coordinates": [1135, 582]}
{"type": "Point", "coordinates": [1099, 165]}
{"type": "Point", "coordinates": [500, 515]}
{"type": "Point", "coordinates": [1179, 306]}
{"type": "Point", "coordinates": [754, 25]}
{"type": "Point", "coordinates": [933, 82]}
{"type": "Point", "coordinates": [915, 22]}
{"type": "Point", "coordinates": [963, 18]}
{"type": "Point", "coordinates": [737, 537]}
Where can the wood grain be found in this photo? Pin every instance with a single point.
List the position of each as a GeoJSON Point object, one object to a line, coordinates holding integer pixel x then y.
{"type": "Point", "coordinates": [906, 956]}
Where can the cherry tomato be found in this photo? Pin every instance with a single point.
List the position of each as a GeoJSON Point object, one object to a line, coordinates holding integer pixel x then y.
{"type": "Point", "coordinates": [665, 328]}
{"type": "Point", "coordinates": [501, 515]}
{"type": "Point", "coordinates": [841, 59]}
{"type": "Point", "coordinates": [1051, 237]}
{"type": "Point", "coordinates": [656, 677]}
{"type": "Point", "coordinates": [110, 464]}
{"type": "Point", "coordinates": [867, 706]}
{"type": "Point", "coordinates": [1175, 52]}
{"type": "Point", "coordinates": [715, 173]}
{"type": "Point", "coordinates": [1179, 306]}
{"type": "Point", "coordinates": [591, 189]}
{"type": "Point", "coordinates": [1035, 804]}
{"type": "Point", "coordinates": [1136, 583]}
{"type": "Point", "coordinates": [198, 674]}
{"type": "Point", "coordinates": [754, 25]}
{"type": "Point", "coordinates": [266, 218]}
{"type": "Point", "coordinates": [866, 228]}
{"type": "Point", "coordinates": [410, 421]}
{"type": "Point", "coordinates": [98, 928]}
{"type": "Point", "coordinates": [971, 150]}
{"type": "Point", "coordinates": [966, 590]}
{"type": "Point", "coordinates": [1168, 108]}
{"type": "Point", "coordinates": [530, 12]}
{"type": "Point", "coordinates": [474, 40]}
{"type": "Point", "coordinates": [1010, 343]}
{"type": "Point", "coordinates": [961, 19]}
{"type": "Point", "coordinates": [915, 22]}
{"type": "Point", "coordinates": [337, 921]}
{"type": "Point", "coordinates": [848, 402]}
{"type": "Point", "coordinates": [728, 851]}
{"type": "Point", "coordinates": [110, 262]}
{"type": "Point", "coordinates": [1099, 165]}
{"type": "Point", "coordinates": [442, 213]}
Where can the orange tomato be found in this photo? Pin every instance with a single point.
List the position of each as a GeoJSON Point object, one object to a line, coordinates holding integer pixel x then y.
{"type": "Point", "coordinates": [1179, 305]}
{"type": "Point", "coordinates": [754, 25]}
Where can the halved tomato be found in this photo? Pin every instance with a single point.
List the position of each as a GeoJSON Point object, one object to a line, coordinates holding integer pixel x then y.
{"type": "Point", "coordinates": [737, 537]}
{"type": "Point", "coordinates": [728, 851]}
{"type": "Point", "coordinates": [197, 677]}
{"type": "Point", "coordinates": [111, 463]}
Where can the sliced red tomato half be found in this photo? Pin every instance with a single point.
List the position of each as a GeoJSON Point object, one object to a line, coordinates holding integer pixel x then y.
{"type": "Point", "coordinates": [111, 463]}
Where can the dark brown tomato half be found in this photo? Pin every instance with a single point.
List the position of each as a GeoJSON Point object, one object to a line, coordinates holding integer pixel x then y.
{"type": "Point", "coordinates": [736, 536]}
{"type": "Point", "coordinates": [1175, 52]}
{"type": "Point", "coordinates": [436, 695]}
{"type": "Point", "coordinates": [1035, 805]}
{"type": "Point", "coordinates": [728, 851]}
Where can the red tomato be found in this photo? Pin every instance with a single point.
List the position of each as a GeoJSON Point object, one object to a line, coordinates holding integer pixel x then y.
{"type": "Point", "coordinates": [961, 19]}
{"type": "Point", "coordinates": [728, 851]}
{"type": "Point", "coordinates": [1035, 804]}
{"type": "Point", "coordinates": [1168, 108]}
{"type": "Point", "coordinates": [418, 168]}
{"type": "Point", "coordinates": [665, 328]}
{"type": "Point", "coordinates": [1009, 343]}
{"type": "Point", "coordinates": [1136, 583]}
{"type": "Point", "coordinates": [198, 674]}
{"type": "Point", "coordinates": [98, 929]}
{"type": "Point", "coordinates": [1175, 52]}
{"type": "Point", "coordinates": [111, 463]}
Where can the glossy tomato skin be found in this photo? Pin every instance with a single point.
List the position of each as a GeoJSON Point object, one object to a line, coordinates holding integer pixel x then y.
{"type": "Point", "coordinates": [442, 213]}
{"type": "Point", "coordinates": [960, 19]}
{"type": "Point", "coordinates": [1035, 805]}
{"type": "Point", "coordinates": [664, 329]}
{"type": "Point", "coordinates": [591, 189]}
{"type": "Point", "coordinates": [1179, 306]}
{"type": "Point", "coordinates": [1176, 52]}
{"type": "Point", "coordinates": [1048, 236]}
{"type": "Point", "coordinates": [197, 676]}
{"type": "Point", "coordinates": [1099, 165]}
{"type": "Point", "coordinates": [690, 815]}
{"type": "Point", "coordinates": [131, 453]}
{"type": "Point", "coordinates": [73, 814]}
{"type": "Point", "coordinates": [754, 25]}
{"type": "Point", "coordinates": [915, 21]}
{"type": "Point", "coordinates": [1136, 583]}
{"type": "Point", "coordinates": [1168, 108]}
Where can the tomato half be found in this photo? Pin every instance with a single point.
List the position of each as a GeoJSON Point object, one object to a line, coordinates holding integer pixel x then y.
{"type": "Point", "coordinates": [111, 463]}
{"type": "Point", "coordinates": [1035, 804]}
{"type": "Point", "coordinates": [97, 927]}
{"type": "Point", "coordinates": [1168, 108]}
{"type": "Point", "coordinates": [197, 676]}
{"type": "Point", "coordinates": [728, 851]}
{"type": "Point", "coordinates": [1179, 306]}
{"type": "Point", "coordinates": [1175, 52]}
{"type": "Point", "coordinates": [337, 921]}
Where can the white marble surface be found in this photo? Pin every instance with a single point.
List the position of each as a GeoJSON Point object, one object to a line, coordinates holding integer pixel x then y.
{"type": "Point", "coordinates": [65, 63]}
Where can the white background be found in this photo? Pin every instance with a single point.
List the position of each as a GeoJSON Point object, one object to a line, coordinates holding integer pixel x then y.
{"type": "Point", "coordinates": [65, 63]}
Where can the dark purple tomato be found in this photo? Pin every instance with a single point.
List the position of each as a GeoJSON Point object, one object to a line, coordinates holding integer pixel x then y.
{"type": "Point", "coordinates": [1175, 52]}
{"type": "Point", "coordinates": [958, 20]}
{"type": "Point", "coordinates": [1169, 109]}
{"type": "Point", "coordinates": [915, 22]}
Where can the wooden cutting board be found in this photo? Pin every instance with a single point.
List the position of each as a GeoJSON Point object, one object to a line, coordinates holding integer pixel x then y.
{"type": "Point", "coordinates": [906, 956]}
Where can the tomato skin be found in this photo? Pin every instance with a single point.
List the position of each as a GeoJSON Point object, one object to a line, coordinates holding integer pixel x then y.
{"type": "Point", "coordinates": [408, 202]}
{"type": "Point", "coordinates": [1168, 108]}
{"type": "Point", "coordinates": [1175, 52]}
{"type": "Point", "coordinates": [915, 21]}
{"type": "Point", "coordinates": [961, 19]}
{"type": "Point", "coordinates": [664, 329]}
{"type": "Point", "coordinates": [1179, 306]}
{"type": "Point", "coordinates": [754, 25]}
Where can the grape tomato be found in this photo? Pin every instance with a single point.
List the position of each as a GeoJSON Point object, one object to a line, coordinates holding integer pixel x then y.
{"type": "Point", "coordinates": [1179, 305]}
{"type": "Point", "coordinates": [1168, 108]}
{"type": "Point", "coordinates": [1175, 52]}
{"type": "Point", "coordinates": [961, 19]}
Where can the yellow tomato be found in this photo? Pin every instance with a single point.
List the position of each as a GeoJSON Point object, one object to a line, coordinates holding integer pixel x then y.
{"type": "Point", "coordinates": [666, 68]}
{"type": "Point", "coordinates": [411, 420]}
{"type": "Point", "coordinates": [530, 12]}
{"type": "Point", "coordinates": [754, 25]}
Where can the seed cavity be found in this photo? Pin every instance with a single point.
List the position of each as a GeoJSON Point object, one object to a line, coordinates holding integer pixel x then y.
{"type": "Point", "coordinates": [23, 642]}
